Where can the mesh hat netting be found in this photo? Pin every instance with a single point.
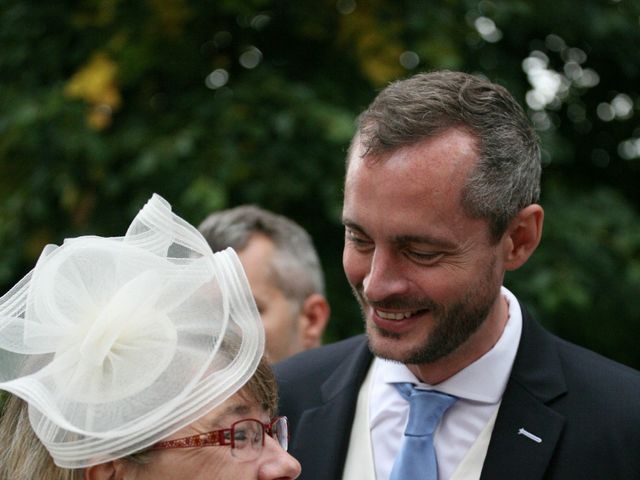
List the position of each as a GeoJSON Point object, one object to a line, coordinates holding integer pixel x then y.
{"type": "Point", "coordinates": [115, 343]}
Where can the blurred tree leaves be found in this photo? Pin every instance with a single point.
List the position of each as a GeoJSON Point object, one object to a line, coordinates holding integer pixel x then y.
{"type": "Point", "coordinates": [585, 279]}
{"type": "Point", "coordinates": [211, 104]}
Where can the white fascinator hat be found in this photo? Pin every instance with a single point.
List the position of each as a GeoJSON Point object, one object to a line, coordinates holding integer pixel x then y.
{"type": "Point", "coordinates": [115, 343]}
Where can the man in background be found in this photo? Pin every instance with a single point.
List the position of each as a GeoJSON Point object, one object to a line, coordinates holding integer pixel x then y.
{"type": "Point", "coordinates": [284, 272]}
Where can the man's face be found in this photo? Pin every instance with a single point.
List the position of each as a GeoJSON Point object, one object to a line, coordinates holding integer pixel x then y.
{"type": "Point", "coordinates": [279, 314]}
{"type": "Point", "coordinates": [217, 462]}
{"type": "Point", "coordinates": [425, 274]}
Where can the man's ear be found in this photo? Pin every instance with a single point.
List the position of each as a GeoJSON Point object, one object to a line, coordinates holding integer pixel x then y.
{"type": "Point", "coordinates": [103, 471]}
{"type": "Point", "coordinates": [312, 320]}
{"type": "Point", "coordinates": [523, 236]}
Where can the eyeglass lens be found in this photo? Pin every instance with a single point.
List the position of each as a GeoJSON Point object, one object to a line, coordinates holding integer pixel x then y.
{"type": "Point", "coordinates": [247, 437]}
{"type": "Point", "coordinates": [280, 431]}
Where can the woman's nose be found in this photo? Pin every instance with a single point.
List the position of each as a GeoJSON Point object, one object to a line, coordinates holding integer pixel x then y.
{"type": "Point", "coordinates": [278, 464]}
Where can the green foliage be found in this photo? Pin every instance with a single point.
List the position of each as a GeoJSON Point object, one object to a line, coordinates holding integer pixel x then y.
{"type": "Point", "coordinates": [584, 279]}
{"type": "Point", "coordinates": [211, 104]}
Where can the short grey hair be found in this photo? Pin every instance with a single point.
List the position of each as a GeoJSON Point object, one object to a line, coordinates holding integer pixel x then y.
{"type": "Point", "coordinates": [296, 267]}
{"type": "Point", "coordinates": [507, 176]}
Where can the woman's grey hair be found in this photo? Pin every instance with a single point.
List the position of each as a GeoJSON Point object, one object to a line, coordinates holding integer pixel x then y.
{"type": "Point", "coordinates": [296, 268]}
{"type": "Point", "coordinates": [22, 455]}
{"type": "Point", "coordinates": [507, 176]}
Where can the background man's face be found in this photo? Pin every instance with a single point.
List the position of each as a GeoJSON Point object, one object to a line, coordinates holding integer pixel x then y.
{"type": "Point", "coordinates": [279, 315]}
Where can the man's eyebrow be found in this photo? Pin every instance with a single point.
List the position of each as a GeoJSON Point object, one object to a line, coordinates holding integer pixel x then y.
{"type": "Point", "coordinates": [352, 225]}
{"type": "Point", "coordinates": [426, 239]}
{"type": "Point", "coordinates": [408, 239]}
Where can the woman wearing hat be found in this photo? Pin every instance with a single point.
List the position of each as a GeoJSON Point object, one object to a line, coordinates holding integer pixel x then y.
{"type": "Point", "coordinates": [138, 357]}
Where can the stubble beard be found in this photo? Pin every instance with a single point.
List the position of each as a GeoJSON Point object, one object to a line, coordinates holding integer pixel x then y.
{"type": "Point", "coordinates": [453, 325]}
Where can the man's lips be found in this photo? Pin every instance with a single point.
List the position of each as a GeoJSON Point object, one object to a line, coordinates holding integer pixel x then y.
{"type": "Point", "coordinates": [396, 321]}
{"type": "Point", "coordinates": [395, 315]}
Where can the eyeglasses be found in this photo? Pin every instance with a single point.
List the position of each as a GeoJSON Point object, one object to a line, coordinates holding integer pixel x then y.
{"type": "Point", "coordinates": [246, 438]}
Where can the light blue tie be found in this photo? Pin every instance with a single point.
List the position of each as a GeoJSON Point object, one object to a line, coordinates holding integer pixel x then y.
{"type": "Point", "coordinates": [417, 457]}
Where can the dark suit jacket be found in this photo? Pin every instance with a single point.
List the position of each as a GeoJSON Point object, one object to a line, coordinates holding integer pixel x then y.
{"type": "Point", "coordinates": [584, 407]}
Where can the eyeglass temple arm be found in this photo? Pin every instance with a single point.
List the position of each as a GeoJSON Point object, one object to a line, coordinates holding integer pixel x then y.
{"type": "Point", "coordinates": [201, 440]}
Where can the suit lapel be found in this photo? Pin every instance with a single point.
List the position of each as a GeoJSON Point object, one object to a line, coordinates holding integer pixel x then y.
{"type": "Point", "coordinates": [329, 425]}
{"type": "Point", "coordinates": [527, 429]}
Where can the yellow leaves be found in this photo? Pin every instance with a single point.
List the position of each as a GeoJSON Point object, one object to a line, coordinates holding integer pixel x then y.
{"type": "Point", "coordinates": [380, 59]}
{"type": "Point", "coordinates": [376, 42]}
{"type": "Point", "coordinates": [96, 84]}
{"type": "Point", "coordinates": [171, 15]}
{"type": "Point", "coordinates": [94, 14]}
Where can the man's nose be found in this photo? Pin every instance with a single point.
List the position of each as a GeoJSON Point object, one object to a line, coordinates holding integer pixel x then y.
{"type": "Point", "coordinates": [385, 277]}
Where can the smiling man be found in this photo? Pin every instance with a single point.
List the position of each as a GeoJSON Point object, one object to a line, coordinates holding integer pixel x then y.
{"type": "Point", "coordinates": [428, 280]}
{"type": "Point", "coordinates": [440, 201]}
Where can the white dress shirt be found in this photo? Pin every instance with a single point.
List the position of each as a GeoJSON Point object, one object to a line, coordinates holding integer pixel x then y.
{"type": "Point", "coordinates": [479, 388]}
